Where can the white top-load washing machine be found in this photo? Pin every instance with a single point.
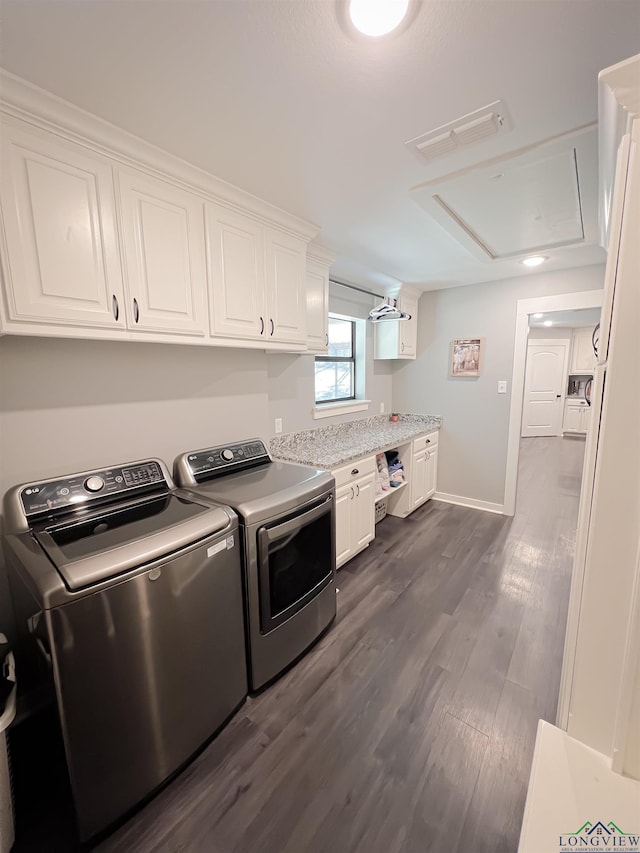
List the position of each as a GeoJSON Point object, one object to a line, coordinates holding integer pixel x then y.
{"type": "Point", "coordinates": [128, 597]}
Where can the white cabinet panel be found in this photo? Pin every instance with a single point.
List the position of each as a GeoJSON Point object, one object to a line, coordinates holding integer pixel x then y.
{"type": "Point", "coordinates": [62, 264]}
{"type": "Point", "coordinates": [432, 471]}
{"type": "Point", "coordinates": [363, 513]}
{"type": "Point", "coordinates": [163, 245]}
{"type": "Point", "coordinates": [235, 248]}
{"type": "Point", "coordinates": [317, 307]}
{"type": "Point", "coordinates": [285, 279]}
{"type": "Point", "coordinates": [577, 416]}
{"type": "Point", "coordinates": [399, 338]}
{"type": "Point", "coordinates": [344, 537]}
{"type": "Point", "coordinates": [583, 359]}
{"type": "Point", "coordinates": [408, 328]}
{"type": "Point", "coordinates": [418, 483]}
{"type": "Point", "coordinates": [355, 508]}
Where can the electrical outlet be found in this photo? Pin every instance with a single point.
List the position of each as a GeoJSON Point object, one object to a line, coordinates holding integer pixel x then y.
{"type": "Point", "coordinates": [278, 425]}
{"type": "Point", "coordinates": [382, 408]}
{"type": "Point", "coordinates": [502, 386]}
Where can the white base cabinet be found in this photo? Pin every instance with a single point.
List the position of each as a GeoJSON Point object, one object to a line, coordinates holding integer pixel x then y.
{"type": "Point", "coordinates": [577, 417]}
{"type": "Point", "coordinates": [356, 497]}
{"type": "Point", "coordinates": [355, 526]}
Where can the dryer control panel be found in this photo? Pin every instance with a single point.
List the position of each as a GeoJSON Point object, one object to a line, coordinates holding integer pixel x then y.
{"type": "Point", "coordinates": [57, 496]}
{"type": "Point", "coordinates": [215, 461]}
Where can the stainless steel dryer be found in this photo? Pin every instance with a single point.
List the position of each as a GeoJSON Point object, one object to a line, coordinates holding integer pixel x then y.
{"type": "Point", "coordinates": [132, 595]}
{"type": "Point", "coordinates": [287, 519]}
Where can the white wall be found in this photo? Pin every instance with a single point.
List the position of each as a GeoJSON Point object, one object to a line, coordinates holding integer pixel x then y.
{"type": "Point", "coordinates": [473, 441]}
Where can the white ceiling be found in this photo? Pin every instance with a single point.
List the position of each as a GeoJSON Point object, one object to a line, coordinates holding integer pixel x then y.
{"type": "Point", "coordinates": [276, 97]}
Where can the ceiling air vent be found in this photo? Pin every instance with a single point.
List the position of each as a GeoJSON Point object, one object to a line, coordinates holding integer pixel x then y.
{"type": "Point", "coordinates": [474, 127]}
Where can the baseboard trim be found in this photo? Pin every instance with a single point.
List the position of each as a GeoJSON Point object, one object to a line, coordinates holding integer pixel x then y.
{"type": "Point", "coordinates": [487, 506]}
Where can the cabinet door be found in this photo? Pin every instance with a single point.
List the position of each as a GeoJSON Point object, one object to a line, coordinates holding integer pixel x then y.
{"type": "Point", "coordinates": [431, 465]}
{"type": "Point", "coordinates": [285, 277]}
{"type": "Point", "coordinates": [235, 255]}
{"type": "Point", "coordinates": [317, 308]}
{"type": "Point", "coordinates": [63, 262]}
{"type": "Point", "coordinates": [583, 359]}
{"type": "Point", "coordinates": [418, 483]}
{"type": "Point", "coordinates": [572, 418]}
{"type": "Point", "coordinates": [344, 499]}
{"type": "Point", "coordinates": [363, 512]}
{"type": "Point", "coordinates": [585, 418]}
{"type": "Point", "coordinates": [408, 328]}
{"type": "Point", "coordinates": [163, 245]}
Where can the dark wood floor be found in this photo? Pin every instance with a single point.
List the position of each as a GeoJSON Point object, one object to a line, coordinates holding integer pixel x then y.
{"type": "Point", "coordinates": [410, 726]}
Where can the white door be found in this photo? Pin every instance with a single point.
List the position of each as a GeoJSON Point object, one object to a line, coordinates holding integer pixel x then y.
{"type": "Point", "coordinates": [545, 377]}
{"type": "Point", "coordinates": [59, 217]}
{"type": "Point", "coordinates": [286, 262]}
{"type": "Point", "coordinates": [235, 257]}
{"type": "Point", "coordinates": [163, 242]}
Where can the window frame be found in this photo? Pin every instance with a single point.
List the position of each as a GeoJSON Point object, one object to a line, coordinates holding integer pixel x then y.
{"type": "Point", "coordinates": [352, 359]}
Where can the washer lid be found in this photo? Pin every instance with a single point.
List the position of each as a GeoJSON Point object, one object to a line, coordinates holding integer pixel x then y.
{"type": "Point", "coordinates": [275, 488]}
{"type": "Point", "coordinates": [101, 545]}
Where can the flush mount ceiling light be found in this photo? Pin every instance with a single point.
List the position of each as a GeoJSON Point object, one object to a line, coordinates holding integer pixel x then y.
{"type": "Point", "coordinates": [377, 17]}
{"type": "Point", "coordinates": [534, 262]}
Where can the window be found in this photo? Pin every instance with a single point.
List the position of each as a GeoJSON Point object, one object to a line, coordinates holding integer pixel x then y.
{"type": "Point", "coordinates": [335, 373]}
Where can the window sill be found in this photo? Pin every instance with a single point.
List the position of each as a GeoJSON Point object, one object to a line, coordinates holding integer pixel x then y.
{"type": "Point", "coordinates": [332, 409]}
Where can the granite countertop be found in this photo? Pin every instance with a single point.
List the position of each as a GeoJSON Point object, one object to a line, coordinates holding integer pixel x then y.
{"type": "Point", "coordinates": [329, 447]}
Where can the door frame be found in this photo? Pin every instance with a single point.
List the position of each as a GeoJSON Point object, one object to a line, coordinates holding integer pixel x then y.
{"type": "Point", "coordinates": [538, 304]}
{"type": "Point", "coordinates": [565, 343]}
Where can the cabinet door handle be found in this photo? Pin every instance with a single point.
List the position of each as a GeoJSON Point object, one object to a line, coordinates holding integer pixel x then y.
{"type": "Point", "coordinates": [326, 335]}
{"type": "Point", "coordinates": [272, 325]}
{"type": "Point", "coordinates": [402, 350]}
{"type": "Point", "coordinates": [136, 310]}
{"type": "Point", "coordinates": [355, 471]}
{"type": "Point", "coordinates": [352, 493]}
{"type": "Point", "coordinates": [357, 490]}
{"type": "Point", "coordinates": [262, 325]}
{"type": "Point", "coordinates": [115, 307]}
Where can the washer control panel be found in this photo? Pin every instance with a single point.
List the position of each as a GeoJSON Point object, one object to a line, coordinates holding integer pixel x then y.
{"type": "Point", "coordinates": [205, 464]}
{"type": "Point", "coordinates": [52, 496]}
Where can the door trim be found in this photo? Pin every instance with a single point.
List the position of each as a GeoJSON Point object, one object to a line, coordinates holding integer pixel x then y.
{"type": "Point", "coordinates": [542, 304]}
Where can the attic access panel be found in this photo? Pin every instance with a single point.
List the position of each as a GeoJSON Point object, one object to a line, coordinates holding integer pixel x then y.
{"type": "Point", "coordinates": [513, 206]}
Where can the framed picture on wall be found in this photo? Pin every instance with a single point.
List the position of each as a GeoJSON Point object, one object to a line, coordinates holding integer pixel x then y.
{"type": "Point", "coordinates": [466, 355]}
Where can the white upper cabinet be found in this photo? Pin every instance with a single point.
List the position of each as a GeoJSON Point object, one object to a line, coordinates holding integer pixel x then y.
{"type": "Point", "coordinates": [256, 279]}
{"type": "Point", "coordinates": [235, 253]}
{"type": "Point", "coordinates": [318, 262]}
{"type": "Point", "coordinates": [583, 359]}
{"type": "Point", "coordinates": [286, 258]}
{"type": "Point", "coordinates": [62, 263]}
{"type": "Point", "coordinates": [163, 246]}
{"type": "Point", "coordinates": [399, 338]}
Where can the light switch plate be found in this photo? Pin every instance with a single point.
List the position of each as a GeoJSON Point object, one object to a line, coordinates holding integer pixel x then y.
{"type": "Point", "coordinates": [502, 386]}
{"type": "Point", "coordinates": [278, 425]}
